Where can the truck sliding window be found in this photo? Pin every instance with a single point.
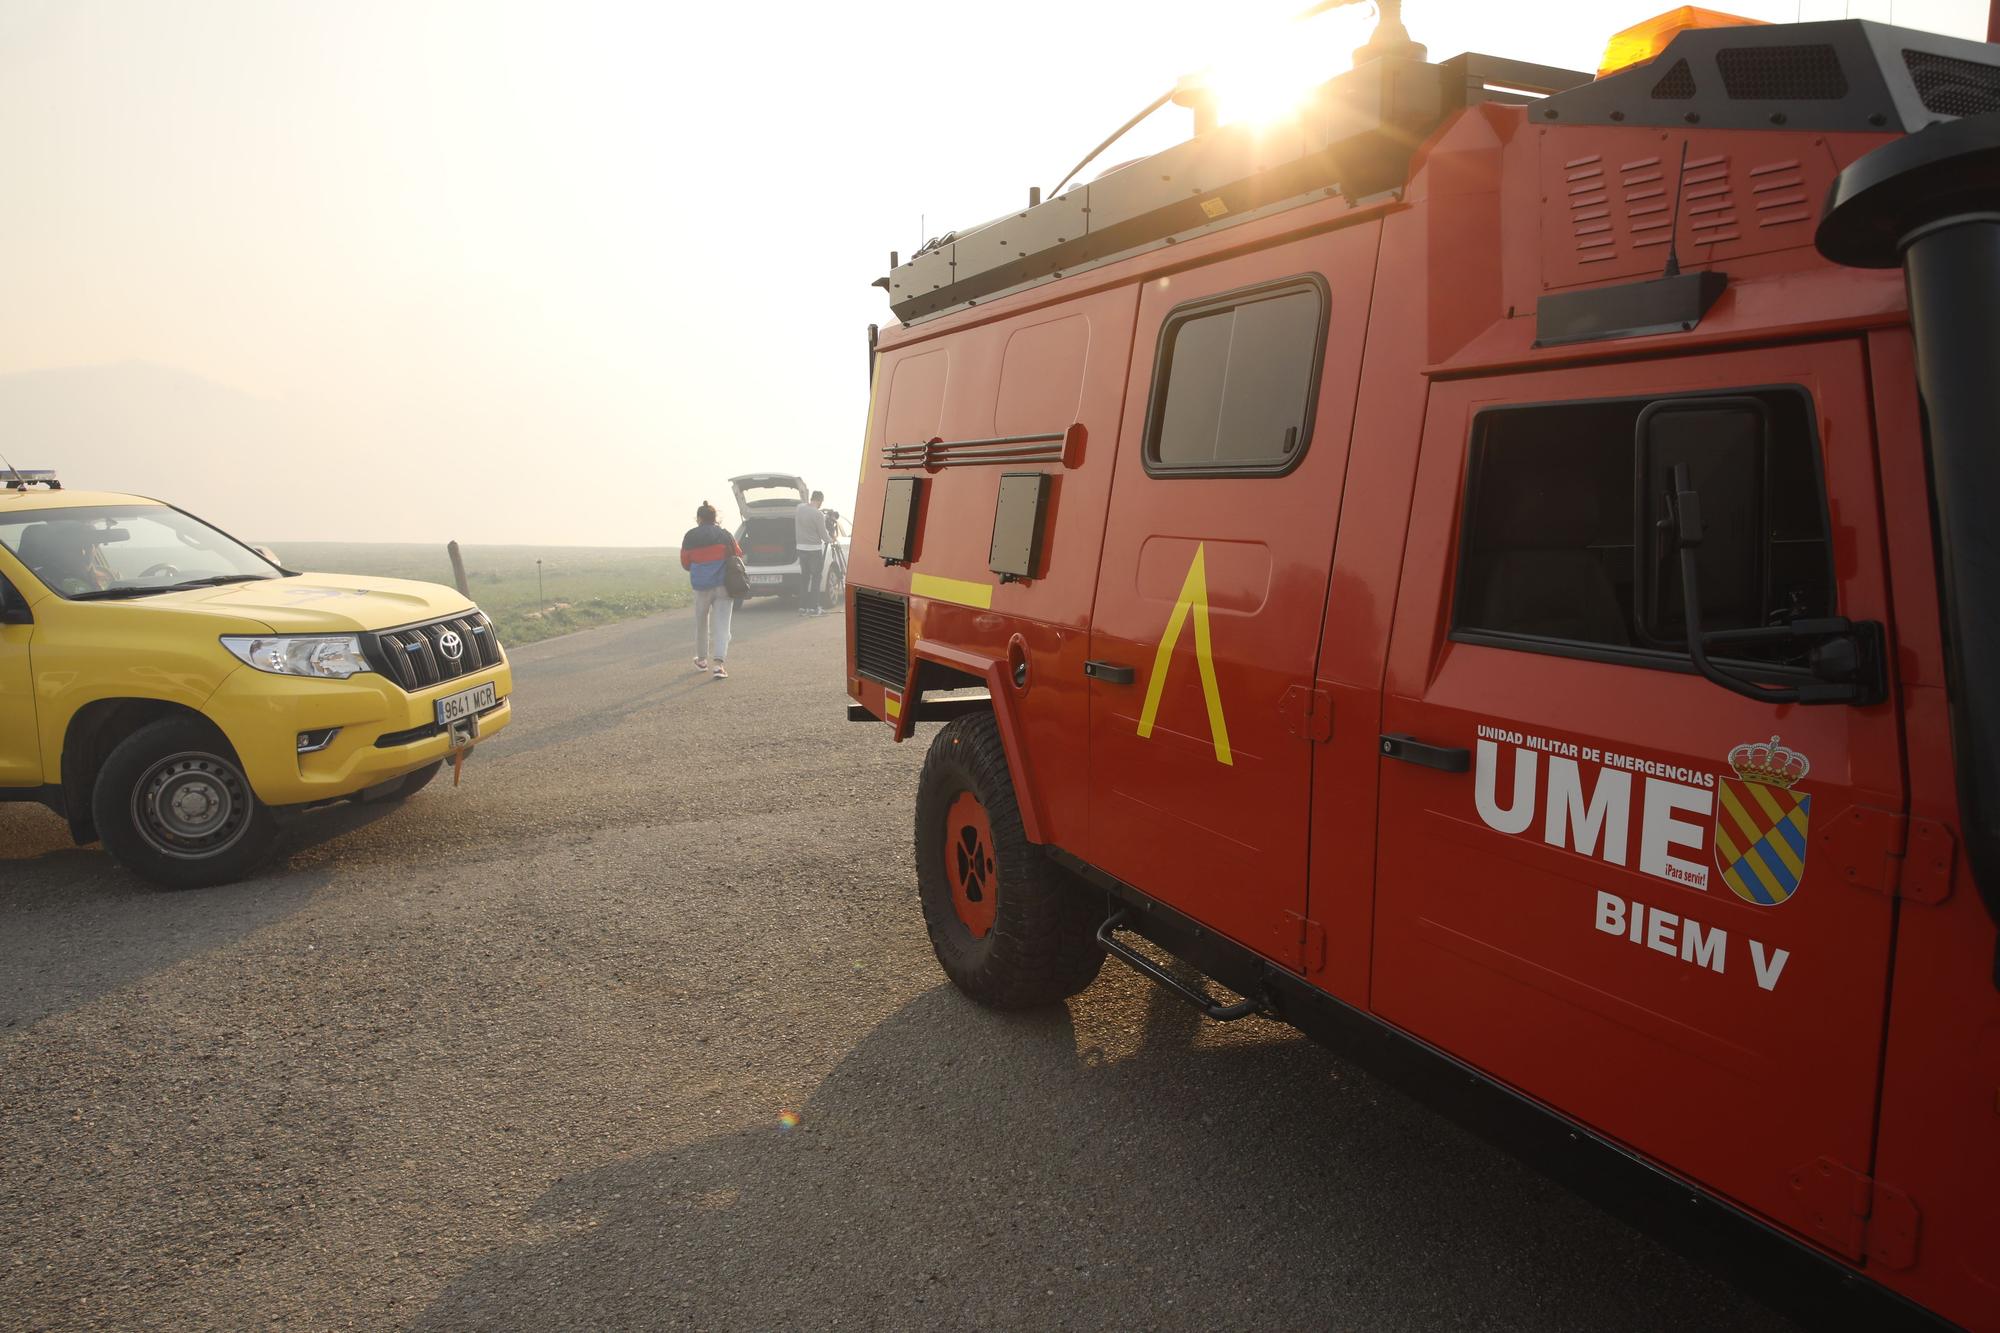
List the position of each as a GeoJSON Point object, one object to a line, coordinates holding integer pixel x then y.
{"type": "Point", "coordinates": [1562, 551]}
{"type": "Point", "coordinates": [1235, 381]}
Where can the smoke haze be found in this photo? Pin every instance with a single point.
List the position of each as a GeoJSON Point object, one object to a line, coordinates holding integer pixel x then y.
{"type": "Point", "coordinates": [543, 272]}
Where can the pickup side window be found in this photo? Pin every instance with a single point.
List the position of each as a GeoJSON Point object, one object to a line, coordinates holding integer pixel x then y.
{"type": "Point", "coordinates": [1235, 381]}
{"type": "Point", "coordinates": [1563, 547]}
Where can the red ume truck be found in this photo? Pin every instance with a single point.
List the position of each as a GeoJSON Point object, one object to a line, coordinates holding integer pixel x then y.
{"type": "Point", "coordinates": [1512, 559]}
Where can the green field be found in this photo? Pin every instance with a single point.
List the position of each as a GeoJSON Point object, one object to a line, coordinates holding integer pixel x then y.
{"type": "Point", "coordinates": [585, 585]}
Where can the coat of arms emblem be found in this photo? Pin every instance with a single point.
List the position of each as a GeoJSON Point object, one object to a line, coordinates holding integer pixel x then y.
{"type": "Point", "coordinates": [1760, 822]}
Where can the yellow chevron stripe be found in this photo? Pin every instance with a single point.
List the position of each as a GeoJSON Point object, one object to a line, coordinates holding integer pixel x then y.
{"type": "Point", "coordinates": [962, 592]}
{"type": "Point", "coordinates": [1193, 602]}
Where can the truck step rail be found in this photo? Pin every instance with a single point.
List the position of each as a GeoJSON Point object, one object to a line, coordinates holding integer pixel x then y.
{"type": "Point", "coordinates": [1198, 996]}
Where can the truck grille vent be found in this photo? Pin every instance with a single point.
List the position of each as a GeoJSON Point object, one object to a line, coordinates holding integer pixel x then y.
{"type": "Point", "coordinates": [1952, 87]}
{"type": "Point", "coordinates": [414, 656]}
{"type": "Point", "coordinates": [1782, 73]}
{"type": "Point", "coordinates": [881, 637]}
{"type": "Point", "coordinates": [1676, 85]}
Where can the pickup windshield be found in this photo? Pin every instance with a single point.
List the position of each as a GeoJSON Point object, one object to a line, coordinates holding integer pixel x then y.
{"type": "Point", "coordinates": [107, 551]}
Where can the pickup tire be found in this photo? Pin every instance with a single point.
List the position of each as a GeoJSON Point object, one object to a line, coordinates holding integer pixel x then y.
{"type": "Point", "coordinates": [1012, 929]}
{"type": "Point", "coordinates": [173, 806]}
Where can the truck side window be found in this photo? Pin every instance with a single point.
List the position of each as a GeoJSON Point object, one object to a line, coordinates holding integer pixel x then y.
{"type": "Point", "coordinates": [1235, 381]}
{"type": "Point", "coordinates": [1551, 556]}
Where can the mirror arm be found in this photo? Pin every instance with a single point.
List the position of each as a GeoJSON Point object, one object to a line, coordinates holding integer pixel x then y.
{"type": "Point", "coordinates": [1698, 650]}
{"type": "Point", "coordinates": [1864, 641]}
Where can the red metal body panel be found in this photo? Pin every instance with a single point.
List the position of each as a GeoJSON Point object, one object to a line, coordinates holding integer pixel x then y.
{"type": "Point", "coordinates": [1841, 1079]}
{"type": "Point", "coordinates": [1041, 371]}
{"type": "Point", "coordinates": [1940, 1120]}
{"type": "Point", "coordinates": [1162, 811]}
{"type": "Point", "coordinates": [1740, 195]}
{"type": "Point", "coordinates": [1440, 263]}
{"type": "Point", "coordinates": [1491, 934]}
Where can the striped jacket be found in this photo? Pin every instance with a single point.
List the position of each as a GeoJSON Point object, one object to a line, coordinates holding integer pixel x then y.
{"type": "Point", "coordinates": [703, 552]}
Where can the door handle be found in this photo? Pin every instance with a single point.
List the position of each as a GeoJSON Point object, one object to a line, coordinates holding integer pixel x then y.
{"type": "Point", "coordinates": [1109, 672]}
{"type": "Point", "coordinates": [1447, 758]}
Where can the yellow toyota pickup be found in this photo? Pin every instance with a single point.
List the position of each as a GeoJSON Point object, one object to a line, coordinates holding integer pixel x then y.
{"type": "Point", "coordinates": [175, 692]}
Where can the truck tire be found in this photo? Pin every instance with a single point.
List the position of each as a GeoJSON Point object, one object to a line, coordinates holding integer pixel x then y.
{"type": "Point", "coordinates": [1011, 928]}
{"type": "Point", "coordinates": [173, 806]}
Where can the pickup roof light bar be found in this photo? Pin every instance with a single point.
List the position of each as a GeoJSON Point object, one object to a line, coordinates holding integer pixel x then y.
{"type": "Point", "coordinates": [20, 478]}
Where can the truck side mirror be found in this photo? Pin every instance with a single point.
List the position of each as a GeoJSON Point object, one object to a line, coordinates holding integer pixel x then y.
{"type": "Point", "coordinates": [1844, 660]}
{"type": "Point", "coordinates": [13, 607]}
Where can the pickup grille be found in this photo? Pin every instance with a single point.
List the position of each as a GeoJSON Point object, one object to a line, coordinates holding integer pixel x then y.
{"type": "Point", "coordinates": [414, 656]}
{"type": "Point", "coordinates": [881, 637]}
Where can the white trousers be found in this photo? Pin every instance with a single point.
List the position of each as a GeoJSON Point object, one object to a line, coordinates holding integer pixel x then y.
{"type": "Point", "coordinates": [712, 609]}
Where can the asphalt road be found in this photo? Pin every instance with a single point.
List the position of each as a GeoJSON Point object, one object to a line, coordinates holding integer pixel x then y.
{"type": "Point", "coordinates": [519, 1055]}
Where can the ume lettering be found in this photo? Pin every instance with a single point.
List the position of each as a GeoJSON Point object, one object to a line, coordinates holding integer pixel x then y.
{"type": "Point", "coordinates": [1592, 809]}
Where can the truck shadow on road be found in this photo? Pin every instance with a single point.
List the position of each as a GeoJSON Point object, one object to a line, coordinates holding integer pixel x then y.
{"type": "Point", "coordinates": [1079, 1168]}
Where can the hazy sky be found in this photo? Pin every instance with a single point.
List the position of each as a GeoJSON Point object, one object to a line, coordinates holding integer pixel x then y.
{"type": "Point", "coordinates": [549, 272]}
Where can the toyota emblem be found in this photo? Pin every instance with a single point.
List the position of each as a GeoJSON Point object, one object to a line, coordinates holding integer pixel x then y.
{"type": "Point", "coordinates": [451, 645]}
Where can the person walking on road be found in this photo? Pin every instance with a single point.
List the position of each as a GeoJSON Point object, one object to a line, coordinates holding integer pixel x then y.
{"type": "Point", "coordinates": [810, 538]}
{"type": "Point", "coordinates": [705, 554]}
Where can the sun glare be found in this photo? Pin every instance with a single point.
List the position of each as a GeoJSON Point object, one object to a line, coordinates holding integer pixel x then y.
{"type": "Point", "coordinates": [1269, 78]}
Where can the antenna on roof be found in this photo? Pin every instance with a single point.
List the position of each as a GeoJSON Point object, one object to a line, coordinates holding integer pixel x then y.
{"type": "Point", "coordinates": [19, 483]}
{"type": "Point", "coordinates": [1674, 226]}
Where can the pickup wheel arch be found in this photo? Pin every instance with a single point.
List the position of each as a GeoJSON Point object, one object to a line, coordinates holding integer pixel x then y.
{"type": "Point", "coordinates": [93, 732]}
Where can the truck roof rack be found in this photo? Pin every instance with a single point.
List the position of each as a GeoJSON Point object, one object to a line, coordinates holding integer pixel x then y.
{"type": "Point", "coordinates": [1359, 130]}
{"type": "Point", "coordinates": [1354, 138]}
{"type": "Point", "coordinates": [1844, 75]}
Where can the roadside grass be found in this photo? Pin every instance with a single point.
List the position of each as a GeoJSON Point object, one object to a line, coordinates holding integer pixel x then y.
{"type": "Point", "coordinates": [586, 585]}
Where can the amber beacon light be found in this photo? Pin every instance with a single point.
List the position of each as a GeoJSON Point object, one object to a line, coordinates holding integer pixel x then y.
{"type": "Point", "coordinates": [1642, 41]}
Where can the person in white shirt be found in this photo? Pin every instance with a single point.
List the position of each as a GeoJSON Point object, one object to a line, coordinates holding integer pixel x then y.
{"type": "Point", "coordinates": [810, 538]}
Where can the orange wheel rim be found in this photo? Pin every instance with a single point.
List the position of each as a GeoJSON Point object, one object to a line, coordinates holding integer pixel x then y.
{"type": "Point", "coordinates": [970, 865]}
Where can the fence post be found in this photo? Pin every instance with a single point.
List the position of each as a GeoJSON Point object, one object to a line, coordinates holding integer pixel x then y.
{"type": "Point", "coordinates": [458, 569]}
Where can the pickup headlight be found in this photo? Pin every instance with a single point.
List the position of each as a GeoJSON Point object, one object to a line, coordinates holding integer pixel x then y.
{"type": "Point", "coordinates": [334, 656]}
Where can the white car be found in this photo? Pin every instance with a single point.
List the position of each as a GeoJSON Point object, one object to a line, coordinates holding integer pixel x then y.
{"type": "Point", "coordinates": [769, 503]}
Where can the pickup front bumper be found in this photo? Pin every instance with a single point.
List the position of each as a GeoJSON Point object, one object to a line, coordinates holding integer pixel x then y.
{"type": "Point", "coordinates": [382, 732]}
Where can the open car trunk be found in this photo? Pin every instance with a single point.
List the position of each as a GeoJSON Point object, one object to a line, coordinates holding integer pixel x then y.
{"type": "Point", "coordinates": [777, 489]}
{"type": "Point", "coordinates": [768, 539]}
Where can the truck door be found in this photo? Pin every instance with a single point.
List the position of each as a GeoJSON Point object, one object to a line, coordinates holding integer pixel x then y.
{"type": "Point", "coordinates": [1631, 893]}
{"type": "Point", "coordinates": [1213, 576]}
{"type": "Point", "coordinates": [20, 745]}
